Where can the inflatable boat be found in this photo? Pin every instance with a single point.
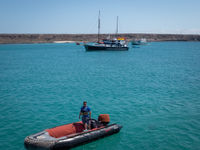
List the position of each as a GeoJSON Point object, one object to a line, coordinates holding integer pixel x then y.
{"type": "Point", "coordinates": [70, 135]}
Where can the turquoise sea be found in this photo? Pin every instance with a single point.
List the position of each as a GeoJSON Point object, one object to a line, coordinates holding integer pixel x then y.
{"type": "Point", "coordinates": [152, 90]}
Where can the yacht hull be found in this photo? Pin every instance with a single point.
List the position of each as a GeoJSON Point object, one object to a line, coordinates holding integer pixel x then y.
{"type": "Point", "coordinates": [104, 48]}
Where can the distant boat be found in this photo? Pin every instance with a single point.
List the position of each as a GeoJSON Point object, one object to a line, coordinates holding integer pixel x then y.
{"type": "Point", "coordinates": [116, 44]}
{"type": "Point", "coordinates": [142, 41]}
{"type": "Point", "coordinates": [77, 43]}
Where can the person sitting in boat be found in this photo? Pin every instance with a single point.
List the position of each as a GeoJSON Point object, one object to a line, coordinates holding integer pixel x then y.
{"type": "Point", "coordinates": [85, 112]}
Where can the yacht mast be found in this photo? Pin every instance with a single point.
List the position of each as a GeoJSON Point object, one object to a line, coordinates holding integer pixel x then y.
{"type": "Point", "coordinates": [98, 26]}
{"type": "Point", "coordinates": [116, 27]}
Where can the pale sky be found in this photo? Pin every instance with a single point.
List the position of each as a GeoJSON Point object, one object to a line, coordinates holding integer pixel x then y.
{"type": "Point", "coordinates": [80, 16]}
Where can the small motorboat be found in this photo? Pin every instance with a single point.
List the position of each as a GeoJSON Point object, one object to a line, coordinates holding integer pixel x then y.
{"type": "Point", "coordinates": [70, 135]}
{"type": "Point", "coordinates": [142, 41]}
{"type": "Point", "coordinates": [77, 43]}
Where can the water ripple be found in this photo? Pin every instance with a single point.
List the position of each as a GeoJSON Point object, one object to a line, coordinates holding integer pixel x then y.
{"type": "Point", "coordinates": [153, 91]}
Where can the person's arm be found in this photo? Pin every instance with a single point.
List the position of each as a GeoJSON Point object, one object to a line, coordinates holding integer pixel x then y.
{"type": "Point", "coordinates": [80, 114]}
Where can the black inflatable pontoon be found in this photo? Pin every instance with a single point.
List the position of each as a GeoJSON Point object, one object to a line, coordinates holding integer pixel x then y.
{"type": "Point", "coordinates": [69, 135]}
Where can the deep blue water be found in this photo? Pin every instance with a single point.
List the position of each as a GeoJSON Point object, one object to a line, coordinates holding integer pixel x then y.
{"type": "Point", "coordinates": [152, 90]}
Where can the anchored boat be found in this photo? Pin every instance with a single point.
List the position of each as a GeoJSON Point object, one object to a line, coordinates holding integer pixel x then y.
{"type": "Point", "coordinates": [139, 42]}
{"type": "Point", "coordinates": [70, 135]}
{"type": "Point", "coordinates": [116, 44]}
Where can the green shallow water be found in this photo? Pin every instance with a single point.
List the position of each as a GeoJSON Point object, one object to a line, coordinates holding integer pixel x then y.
{"type": "Point", "coordinates": [153, 91]}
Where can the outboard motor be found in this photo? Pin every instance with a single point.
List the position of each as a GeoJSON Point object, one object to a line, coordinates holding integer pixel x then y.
{"type": "Point", "coordinates": [104, 119]}
{"type": "Point", "coordinates": [93, 123]}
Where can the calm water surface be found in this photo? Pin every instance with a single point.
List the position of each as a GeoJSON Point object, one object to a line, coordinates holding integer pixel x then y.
{"type": "Point", "coordinates": [153, 91]}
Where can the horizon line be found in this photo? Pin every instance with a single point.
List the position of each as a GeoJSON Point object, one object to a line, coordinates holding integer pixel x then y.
{"type": "Point", "coordinates": [109, 33]}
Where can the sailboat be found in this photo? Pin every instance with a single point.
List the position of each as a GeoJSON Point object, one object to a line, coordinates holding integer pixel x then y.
{"type": "Point", "coordinates": [116, 44]}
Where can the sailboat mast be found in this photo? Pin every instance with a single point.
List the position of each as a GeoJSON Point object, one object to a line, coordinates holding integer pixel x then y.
{"type": "Point", "coordinates": [98, 26]}
{"type": "Point", "coordinates": [117, 27]}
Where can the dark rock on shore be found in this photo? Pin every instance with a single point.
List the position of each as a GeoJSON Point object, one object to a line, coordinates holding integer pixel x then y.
{"type": "Point", "coordinates": [51, 38]}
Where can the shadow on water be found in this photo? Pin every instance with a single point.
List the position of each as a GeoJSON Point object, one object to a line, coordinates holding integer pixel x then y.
{"type": "Point", "coordinates": [134, 46]}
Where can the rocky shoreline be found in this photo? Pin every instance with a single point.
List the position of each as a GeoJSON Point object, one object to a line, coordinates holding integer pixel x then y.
{"type": "Point", "coordinates": [69, 38]}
